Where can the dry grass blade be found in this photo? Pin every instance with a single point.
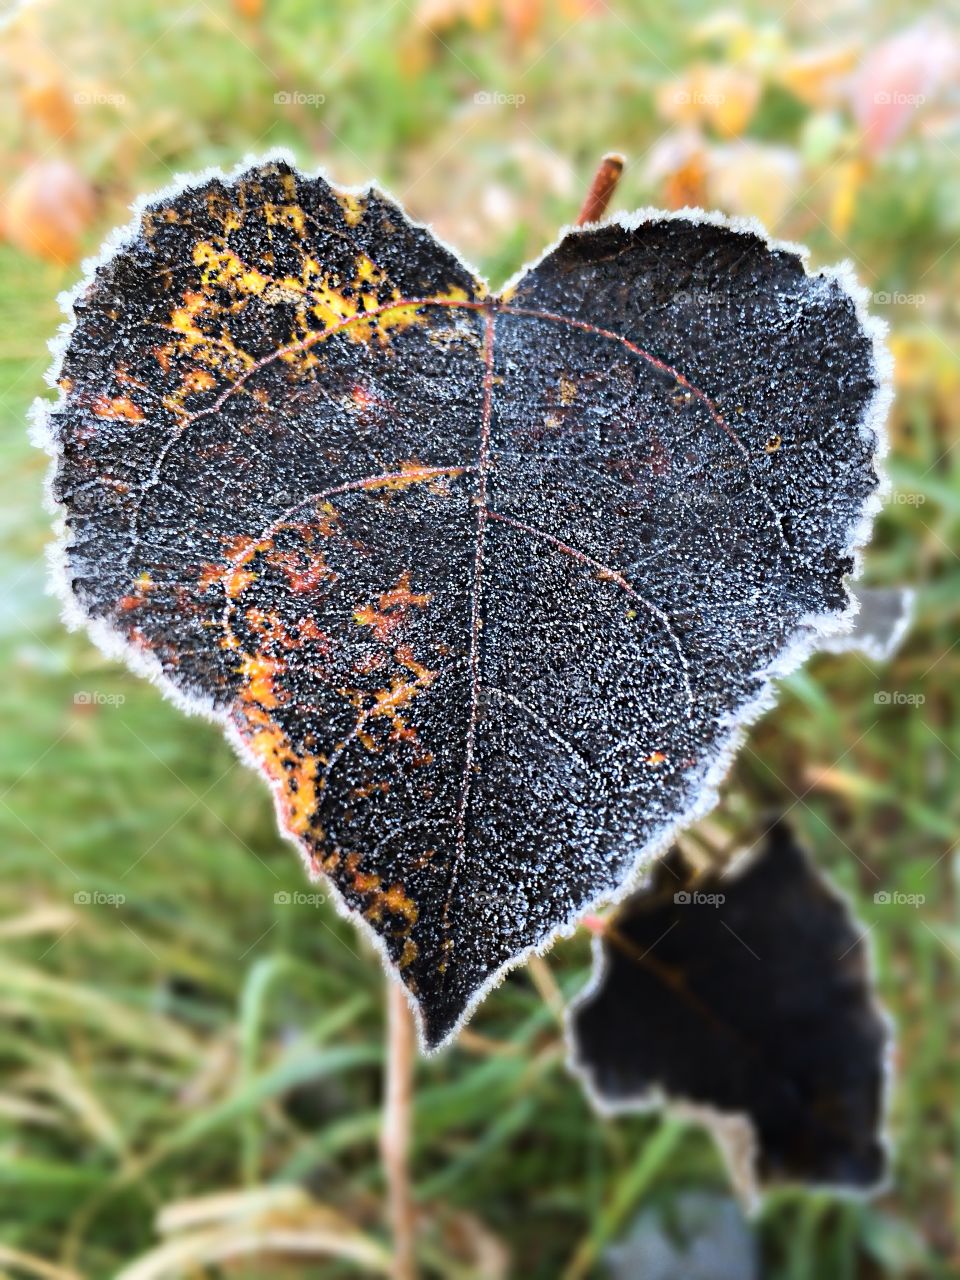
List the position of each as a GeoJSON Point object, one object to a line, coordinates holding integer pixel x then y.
{"type": "Point", "coordinates": [262, 1223]}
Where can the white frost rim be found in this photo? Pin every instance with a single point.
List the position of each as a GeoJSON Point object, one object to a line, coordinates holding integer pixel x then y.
{"type": "Point", "coordinates": [807, 639]}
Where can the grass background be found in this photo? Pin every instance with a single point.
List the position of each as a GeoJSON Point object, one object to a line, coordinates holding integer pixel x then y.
{"type": "Point", "coordinates": [199, 1038]}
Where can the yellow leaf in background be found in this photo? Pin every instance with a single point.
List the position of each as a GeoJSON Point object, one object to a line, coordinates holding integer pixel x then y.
{"type": "Point", "coordinates": [922, 363]}
{"type": "Point", "coordinates": [754, 180]}
{"type": "Point", "coordinates": [674, 100]}
{"type": "Point", "coordinates": [817, 76]}
{"type": "Point", "coordinates": [47, 210]}
{"type": "Point", "coordinates": [730, 98]}
{"type": "Point", "coordinates": [572, 9]}
{"type": "Point", "coordinates": [421, 44]}
{"type": "Point", "coordinates": [441, 15]}
{"type": "Point", "coordinates": [742, 44]}
{"type": "Point", "coordinates": [848, 179]}
{"type": "Point", "coordinates": [724, 98]}
{"type": "Point", "coordinates": [925, 371]}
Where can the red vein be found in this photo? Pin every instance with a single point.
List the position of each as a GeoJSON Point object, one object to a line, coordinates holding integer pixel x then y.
{"type": "Point", "coordinates": [415, 475]}
{"type": "Point", "coordinates": [681, 380]}
{"type": "Point", "coordinates": [365, 484]}
{"type": "Point", "coordinates": [556, 318]}
{"type": "Point", "coordinates": [482, 305]}
{"type": "Point", "coordinates": [609, 575]}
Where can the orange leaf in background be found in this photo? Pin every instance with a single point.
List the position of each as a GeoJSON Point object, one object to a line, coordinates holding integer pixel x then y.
{"type": "Point", "coordinates": [686, 187]}
{"type": "Point", "coordinates": [47, 102]}
{"type": "Point", "coordinates": [677, 167]}
{"type": "Point", "coordinates": [47, 210]}
{"type": "Point", "coordinates": [41, 84]}
{"type": "Point", "coordinates": [523, 18]}
{"type": "Point", "coordinates": [251, 9]}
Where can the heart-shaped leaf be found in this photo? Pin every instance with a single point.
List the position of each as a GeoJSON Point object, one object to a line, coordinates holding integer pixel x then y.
{"type": "Point", "coordinates": [748, 992]}
{"type": "Point", "coordinates": [484, 585]}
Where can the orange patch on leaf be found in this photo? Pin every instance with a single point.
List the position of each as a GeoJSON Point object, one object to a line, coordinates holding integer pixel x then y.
{"type": "Point", "coordinates": [260, 674]}
{"type": "Point", "coordinates": [394, 605]}
{"type": "Point", "coordinates": [117, 407]}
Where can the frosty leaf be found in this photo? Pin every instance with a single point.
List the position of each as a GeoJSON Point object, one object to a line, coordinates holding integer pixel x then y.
{"type": "Point", "coordinates": [485, 586]}
{"type": "Point", "coordinates": [880, 625]}
{"type": "Point", "coordinates": [748, 992]}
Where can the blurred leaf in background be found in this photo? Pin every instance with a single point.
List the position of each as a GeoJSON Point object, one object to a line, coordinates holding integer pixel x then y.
{"type": "Point", "coordinates": [185, 1042]}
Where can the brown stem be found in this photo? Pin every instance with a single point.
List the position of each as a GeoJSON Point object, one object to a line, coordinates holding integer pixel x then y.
{"type": "Point", "coordinates": [395, 1132]}
{"type": "Point", "coordinates": [602, 188]}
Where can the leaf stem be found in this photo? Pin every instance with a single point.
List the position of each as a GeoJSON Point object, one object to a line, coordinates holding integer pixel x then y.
{"type": "Point", "coordinates": [602, 188]}
{"type": "Point", "coordinates": [396, 1130]}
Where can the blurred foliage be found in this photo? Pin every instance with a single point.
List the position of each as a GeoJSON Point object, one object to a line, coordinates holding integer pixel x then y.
{"type": "Point", "coordinates": [194, 1037]}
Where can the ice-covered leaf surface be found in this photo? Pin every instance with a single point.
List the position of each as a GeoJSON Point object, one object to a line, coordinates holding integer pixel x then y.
{"type": "Point", "coordinates": [484, 585]}
{"type": "Point", "coordinates": [750, 993]}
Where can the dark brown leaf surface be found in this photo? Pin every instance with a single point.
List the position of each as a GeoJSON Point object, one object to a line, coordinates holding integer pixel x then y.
{"type": "Point", "coordinates": [750, 993]}
{"type": "Point", "coordinates": [483, 585]}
